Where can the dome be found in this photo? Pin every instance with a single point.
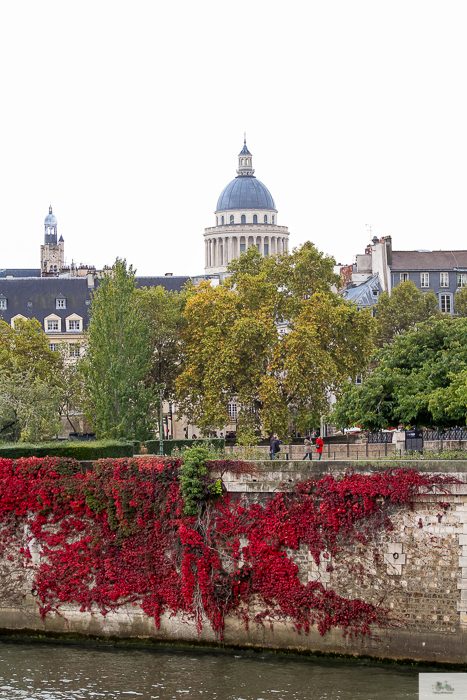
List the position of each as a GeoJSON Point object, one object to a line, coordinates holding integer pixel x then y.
{"type": "Point", "coordinates": [245, 193]}
{"type": "Point", "coordinates": [50, 220]}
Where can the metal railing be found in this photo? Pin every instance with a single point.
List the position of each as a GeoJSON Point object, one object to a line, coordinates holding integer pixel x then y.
{"type": "Point", "coordinates": [447, 434]}
{"type": "Point", "coordinates": [379, 438]}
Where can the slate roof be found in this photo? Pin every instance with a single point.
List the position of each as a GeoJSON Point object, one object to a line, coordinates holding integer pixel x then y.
{"type": "Point", "coordinates": [35, 297]}
{"type": "Point", "coordinates": [172, 284]}
{"type": "Point", "coordinates": [30, 272]}
{"type": "Point", "coordinates": [430, 260]}
{"type": "Point", "coordinates": [362, 293]}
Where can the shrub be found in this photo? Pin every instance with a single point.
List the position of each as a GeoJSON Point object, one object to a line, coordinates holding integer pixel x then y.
{"type": "Point", "coordinates": [171, 445]}
{"type": "Point", "coordinates": [92, 450]}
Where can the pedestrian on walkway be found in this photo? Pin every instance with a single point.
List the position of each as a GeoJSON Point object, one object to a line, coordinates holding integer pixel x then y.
{"type": "Point", "coordinates": [308, 452]}
{"type": "Point", "coordinates": [274, 446]}
{"type": "Point", "coordinates": [319, 447]}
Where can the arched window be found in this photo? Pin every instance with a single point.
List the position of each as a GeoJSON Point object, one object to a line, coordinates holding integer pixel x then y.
{"type": "Point", "coordinates": [223, 221]}
{"type": "Point", "coordinates": [243, 219]}
{"type": "Point", "coordinates": [265, 218]}
{"type": "Point", "coordinates": [231, 218]}
{"type": "Point", "coordinates": [255, 219]}
{"type": "Point", "coordinates": [273, 219]}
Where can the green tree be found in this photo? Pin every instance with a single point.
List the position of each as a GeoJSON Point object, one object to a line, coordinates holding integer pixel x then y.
{"type": "Point", "coordinates": [404, 308]}
{"type": "Point", "coordinates": [235, 350]}
{"type": "Point", "coordinates": [420, 379]}
{"type": "Point", "coordinates": [30, 383]}
{"type": "Point", "coordinates": [460, 302]}
{"type": "Point", "coordinates": [164, 311]}
{"type": "Point", "coordinates": [118, 358]}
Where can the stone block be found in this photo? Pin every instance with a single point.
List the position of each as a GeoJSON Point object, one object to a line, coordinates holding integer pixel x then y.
{"type": "Point", "coordinates": [463, 561]}
{"type": "Point", "coordinates": [390, 560]}
{"type": "Point", "coordinates": [462, 606]}
{"type": "Point", "coordinates": [395, 570]}
{"type": "Point", "coordinates": [464, 594]}
{"type": "Point", "coordinates": [395, 547]}
{"type": "Point", "coordinates": [463, 540]}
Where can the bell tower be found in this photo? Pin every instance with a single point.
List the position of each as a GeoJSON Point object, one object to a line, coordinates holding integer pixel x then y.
{"type": "Point", "coordinates": [53, 251]}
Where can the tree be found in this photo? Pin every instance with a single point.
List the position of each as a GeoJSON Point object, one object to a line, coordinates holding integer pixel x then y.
{"type": "Point", "coordinates": [404, 308]}
{"type": "Point", "coordinates": [118, 355]}
{"type": "Point", "coordinates": [30, 383]}
{"type": "Point", "coordinates": [460, 302]}
{"type": "Point", "coordinates": [164, 311]}
{"type": "Point", "coordinates": [420, 379]}
{"type": "Point", "coordinates": [235, 350]}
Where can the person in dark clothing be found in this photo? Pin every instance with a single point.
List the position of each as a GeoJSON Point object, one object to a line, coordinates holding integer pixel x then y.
{"type": "Point", "coordinates": [274, 446]}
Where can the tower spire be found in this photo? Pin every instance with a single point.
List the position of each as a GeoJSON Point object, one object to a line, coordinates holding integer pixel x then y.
{"type": "Point", "coordinates": [245, 160]}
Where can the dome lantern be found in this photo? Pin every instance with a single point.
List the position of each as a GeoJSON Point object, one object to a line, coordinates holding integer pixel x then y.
{"type": "Point", "coordinates": [245, 161]}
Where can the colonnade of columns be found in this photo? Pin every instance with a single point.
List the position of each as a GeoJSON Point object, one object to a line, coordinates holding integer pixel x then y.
{"type": "Point", "coordinates": [221, 250]}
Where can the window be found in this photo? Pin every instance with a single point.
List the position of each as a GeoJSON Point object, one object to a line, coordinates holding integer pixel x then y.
{"type": "Point", "coordinates": [232, 220]}
{"type": "Point", "coordinates": [222, 253]}
{"type": "Point", "coordinates": [243, 219]}
{"type": "Point", "coordinates": [53, 347]}
{"type": "Point", "coordinates": [217, 220]}
{"type": "Point", "coordinates": [445, 302]}
{"type": "Point", "coordinates": [60, 303]}
{"type": "Point", "coordinates": [375, 292]}
{"type": "Point", "coordinates": [265, 218]}
{"type": "Point", "coordinates": [242, 247]}
{"type": "Point", "coordinates": [75, 325]}
{"type": "Point", "coordinates": [3, 304]}
{"type": "Point", "coordinates": [444, 279]}
{"type": "Point", "coordinates": [461, 279]}
{"type": "Point", "coordinates": [358, 380]}
{"type": "Point", "coordinates": [52, 325]}
{"type": "Point", "coordinates": [424, 279]}
{"type": "Point", "coordinates": [272, 219]}
{"type": "Point", "coordinates": [74, 350]}
{"type": "Point", "coordinates": [266, 249]}
{"type": "Point", "coordinates": [404, 276]}
{"type": "Point", "coordinates": [232, 409]}
{"type": "Point", "coordinates": [257, 247]}
{"type": "Point", "coordinates": [255, 218]}
{"type": "Point", "coordinates": [223, 221]}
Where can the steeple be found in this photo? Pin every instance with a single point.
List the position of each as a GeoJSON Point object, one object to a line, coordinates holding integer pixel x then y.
{"type": "Point", "coordinates": [50, 228]}
{"type": "Point", "coordinates": [245, 161]}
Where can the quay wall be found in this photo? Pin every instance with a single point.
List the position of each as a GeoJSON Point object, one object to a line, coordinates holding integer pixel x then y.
{"type": "Point", "coordinates": [421, 578]}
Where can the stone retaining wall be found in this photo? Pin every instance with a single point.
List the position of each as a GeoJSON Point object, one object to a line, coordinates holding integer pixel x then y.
{"type": "Point", "coordinates": [421, 577]}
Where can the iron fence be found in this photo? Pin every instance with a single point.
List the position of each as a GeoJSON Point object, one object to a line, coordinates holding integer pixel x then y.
{"type": "Point", "coordinates": [448, 434]}
{"type": "Point", "coordinates": [379, 438]}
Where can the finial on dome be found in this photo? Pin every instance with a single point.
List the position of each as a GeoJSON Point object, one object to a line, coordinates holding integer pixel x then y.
{"type": "Point", "coordinates": [50, 208]}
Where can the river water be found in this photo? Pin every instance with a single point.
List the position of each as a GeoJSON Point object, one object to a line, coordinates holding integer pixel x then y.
{"type": "Point", "coordinates": [55, 672]}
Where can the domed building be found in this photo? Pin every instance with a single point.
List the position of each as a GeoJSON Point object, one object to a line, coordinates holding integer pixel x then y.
{"type": "Point", "coordinates": [246, 216]}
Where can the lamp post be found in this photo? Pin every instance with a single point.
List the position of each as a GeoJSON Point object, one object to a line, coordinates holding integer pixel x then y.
{"type": "Point", "coordinates": [161, 422]}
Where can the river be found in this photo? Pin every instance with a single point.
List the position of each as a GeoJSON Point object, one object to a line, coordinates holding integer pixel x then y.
{"type": "Point", "coordinates": [61, 672]}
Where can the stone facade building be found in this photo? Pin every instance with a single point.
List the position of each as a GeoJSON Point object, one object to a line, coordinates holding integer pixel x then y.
{"type": "Point", "coordinates": [246, 216]}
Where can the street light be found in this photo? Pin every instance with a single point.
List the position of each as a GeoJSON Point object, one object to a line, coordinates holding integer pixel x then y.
{"type": "Point", "coordinates": [161, 422]}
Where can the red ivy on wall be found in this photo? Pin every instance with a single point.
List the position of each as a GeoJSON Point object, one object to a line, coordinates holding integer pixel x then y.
{"type": "Point", "coordinates": [116, 535]}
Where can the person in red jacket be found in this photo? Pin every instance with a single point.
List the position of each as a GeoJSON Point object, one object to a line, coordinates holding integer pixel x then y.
{"type": "Point", "coordinates": [319, 447]}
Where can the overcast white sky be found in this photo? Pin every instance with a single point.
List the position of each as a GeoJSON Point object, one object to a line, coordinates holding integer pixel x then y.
{"type": "Point", "coordinates": [128, 117]}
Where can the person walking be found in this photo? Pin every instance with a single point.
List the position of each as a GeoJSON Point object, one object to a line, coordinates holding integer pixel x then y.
{"type": "Point", "coordinates": [308, 452]}
{"type": "Point", "coordinates": [319, 447]}
{"type": "Point", "coordinates": [274, 446]}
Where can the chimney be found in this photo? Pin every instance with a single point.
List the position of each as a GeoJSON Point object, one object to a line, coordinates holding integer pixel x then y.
{"type": "Point", "coordinates": [169, 274]}
{"type": "Point", "coordinates": [90, 279]}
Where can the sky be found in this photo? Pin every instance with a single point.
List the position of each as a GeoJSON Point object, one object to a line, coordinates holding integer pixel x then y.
{"type": "Point", "coordinates": [128, 118]}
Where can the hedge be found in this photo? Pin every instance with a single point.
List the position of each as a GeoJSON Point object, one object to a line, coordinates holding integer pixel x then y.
{"type": "Point", "coordinates": [92, 450]}
{"type": "Point", "coordinates": [170, 445]}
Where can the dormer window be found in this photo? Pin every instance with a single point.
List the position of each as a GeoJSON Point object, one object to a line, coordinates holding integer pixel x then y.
{"type": "Point", "coordinates": [74, 325]}
{"type": "Point", "coordinates": [3, 302]}
{"type": "Point", "coordinates": [60, 303]}
{"type": "Point", "coordinates": [52, 325]}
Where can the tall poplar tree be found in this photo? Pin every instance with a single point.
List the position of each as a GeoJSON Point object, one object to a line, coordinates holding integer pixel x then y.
{"type": "Point", "coordinates": [118, 401]}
